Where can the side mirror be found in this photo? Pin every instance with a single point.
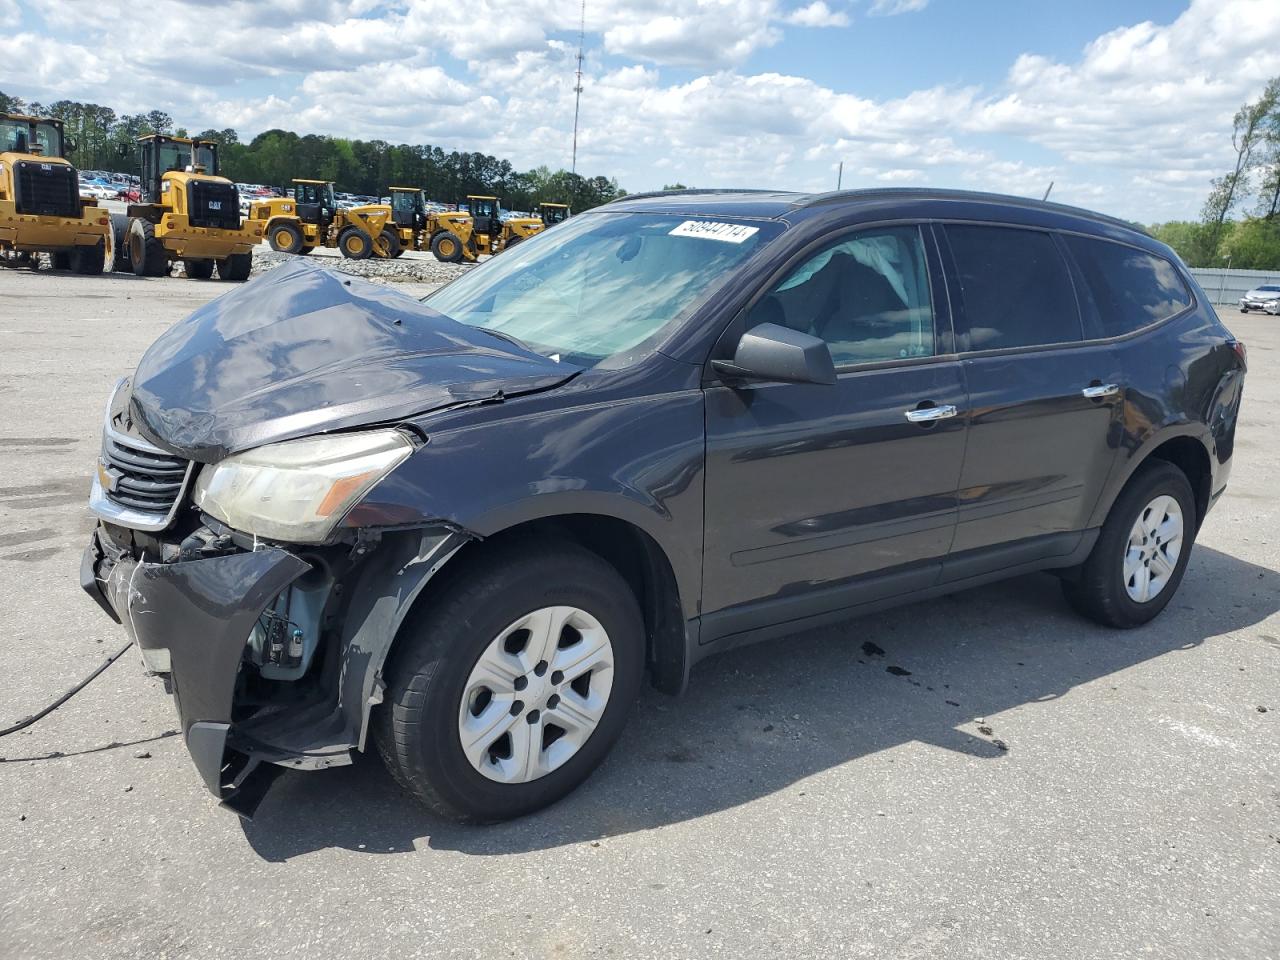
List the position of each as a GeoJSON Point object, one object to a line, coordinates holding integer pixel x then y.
{"type": "Point", "coordinates": [70, 144]}
{"type": "Point", "coordinates": [773, 352]}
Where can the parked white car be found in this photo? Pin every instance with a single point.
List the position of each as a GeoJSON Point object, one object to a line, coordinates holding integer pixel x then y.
{"type": "Point", "coordinates": [1265, 298]}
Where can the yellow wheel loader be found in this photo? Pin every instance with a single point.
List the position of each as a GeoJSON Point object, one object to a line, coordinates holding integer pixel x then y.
{"type": "Point", "coordinates": [492, 234]}
{"type": "Point", "coordinates": [552, 213]}
{"type": "Point", "coordinates": [417, 227]}
{"type": "Point", "coordinates": [311, 218]}
{"type": "Point", "coordinates": [464, 236]}
{"type": "Point", "coordinates": [187, 212]}
{"type": "Point", "coordinates": [41, 210]}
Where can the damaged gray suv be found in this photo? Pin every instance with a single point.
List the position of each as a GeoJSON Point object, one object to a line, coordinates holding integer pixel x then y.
{"type": "Point", "coordinates": [466, 530]}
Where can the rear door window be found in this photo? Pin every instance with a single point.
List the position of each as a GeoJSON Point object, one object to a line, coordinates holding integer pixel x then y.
{"type": "Point", "coordinates": [1130, 288]}
{"type": "Point", "coordinates": [1015, 287]}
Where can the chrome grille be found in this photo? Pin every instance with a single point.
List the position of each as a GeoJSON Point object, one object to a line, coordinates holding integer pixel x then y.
{"type": "Point", "coordinates": [136, 485]}
{"type": "Point", "coordinates": [144, 478]}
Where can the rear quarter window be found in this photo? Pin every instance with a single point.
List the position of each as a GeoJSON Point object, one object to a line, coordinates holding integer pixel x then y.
{"type": "Point", "coordinates": [1015, 286]}
{"type": "Point", "coordinates": [1130, 288]}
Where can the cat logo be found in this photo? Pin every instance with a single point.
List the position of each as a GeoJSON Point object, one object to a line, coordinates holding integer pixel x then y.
{"type": "Point", "coordinates": [215, 204]}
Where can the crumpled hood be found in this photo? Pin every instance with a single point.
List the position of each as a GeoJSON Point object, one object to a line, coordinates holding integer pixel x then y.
{"type": "Point", "coordinates": [303, 350]}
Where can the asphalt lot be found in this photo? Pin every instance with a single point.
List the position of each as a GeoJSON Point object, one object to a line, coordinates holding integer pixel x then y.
{"type": "Point", "coordinates": [803, 800]}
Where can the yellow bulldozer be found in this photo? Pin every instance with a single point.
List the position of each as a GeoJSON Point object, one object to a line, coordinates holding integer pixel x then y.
{"type": "Point", "coordinates": [186, 212]}
{"type": "Point", "coordinates": [552, 213]}
{"type": "Point", "coordinates": [41, 210]}
{"type": "Point", "coordinates": [312, 218]}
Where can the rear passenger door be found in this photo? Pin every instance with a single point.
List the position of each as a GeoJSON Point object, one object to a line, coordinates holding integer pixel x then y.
{"type": "Point", "coordinates": [1044, 403]}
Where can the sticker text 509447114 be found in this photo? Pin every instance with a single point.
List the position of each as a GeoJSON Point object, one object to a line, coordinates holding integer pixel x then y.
{"type": "Point", "coordinates": [712, 230]}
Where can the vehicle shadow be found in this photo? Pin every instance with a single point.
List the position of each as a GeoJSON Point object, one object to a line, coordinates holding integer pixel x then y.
{"type": "Point", "coordinates": [765, 717]}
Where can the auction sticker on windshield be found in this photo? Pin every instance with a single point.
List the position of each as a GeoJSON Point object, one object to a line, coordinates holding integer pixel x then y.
{"type": "Point", "coordinates": [711, 230]}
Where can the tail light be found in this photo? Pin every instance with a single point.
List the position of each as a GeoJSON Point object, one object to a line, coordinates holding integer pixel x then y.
{"type": "Point", "coordinates": [1242, 352]}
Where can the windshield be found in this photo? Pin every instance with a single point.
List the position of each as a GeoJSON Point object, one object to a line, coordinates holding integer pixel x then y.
{"type": "Point", "coordinates": [604, 283]}
{"type": "Point", "coordinates": [177, 156]}
{"type": "Point", "coordinates": [21, 135]}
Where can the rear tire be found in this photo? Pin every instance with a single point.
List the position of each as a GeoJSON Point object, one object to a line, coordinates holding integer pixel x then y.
{"type": "Point", "coordinates": [235, 267]}
{"type": "Point", "coordinates": [446, 247]}
{"type": "Point", "coordinates": [89, 260]}
{"type": "Point", "coordinates": [198, 269]}
{"type": "Point", "coordinates": [433, 689]}
{"type": "Point", "coordinates": [285, 237]}
{"type": "Point", "coordinates": [60, 260]}
{"type": "Point", "coordinates": [1133, 550]}
{"type": "Point", "coordinates": [120, 262]}
{"type": "Point", "coordinates": [146, 250]}
{"type": "Point", "coordinates": [355, 244]}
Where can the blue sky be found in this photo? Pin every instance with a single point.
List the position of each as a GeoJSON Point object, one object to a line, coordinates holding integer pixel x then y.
{"type": "Point", "coordinates": [1125, 106]}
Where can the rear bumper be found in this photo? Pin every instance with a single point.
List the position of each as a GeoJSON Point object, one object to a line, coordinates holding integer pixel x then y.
{"type": "Point", "coordinates": [182, 239]}
{"type": "Point", "coordinates": [191, 620]}
{"type": "Point", "coordinates": [36, 234]}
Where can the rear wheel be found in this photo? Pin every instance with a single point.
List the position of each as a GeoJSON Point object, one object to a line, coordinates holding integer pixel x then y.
{"type": "Point", "coordinates": [120, 262]}
{"type": "Point", "coordinates": [1142, 551]}
{"type": "Point", "coordinates": [89, 260]}
{"type": "Point", "coordinates": [60, 260]}
{"type": "Point", "coordinates": [446, 247]}
{"type": "Point", "coordinates": [198, 269]}
{"type": "Point", "coordinates": [146, 251]}
{"type": "Point", "coordinates": [285, 237]}
{"type": "Point", "coordinates": [355, 244]}
{"type": "Point", "coordinates": [510, 688]}
{"type": "Point", "coordinates": [236, 267]}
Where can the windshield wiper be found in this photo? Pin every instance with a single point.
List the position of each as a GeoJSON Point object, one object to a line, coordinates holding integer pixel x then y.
{"type": "Point", "coordinates": [509, 338]}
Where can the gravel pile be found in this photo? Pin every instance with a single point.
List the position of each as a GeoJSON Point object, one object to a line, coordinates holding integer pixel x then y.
{"type": "Point", "coordinates": [402, 270]}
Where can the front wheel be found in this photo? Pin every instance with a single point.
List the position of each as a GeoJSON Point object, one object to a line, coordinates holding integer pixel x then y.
{"type": "Point", "coordinates": [355, 244]}
{"type": "Point", "coordinates": [1142, 551]}
{"type": "Point", "coordinates": [446, 247]}
{"type": "Point", "coordinates": [512, 685]}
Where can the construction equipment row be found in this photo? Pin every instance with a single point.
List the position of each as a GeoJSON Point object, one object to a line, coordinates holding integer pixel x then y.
{"type": "Point", "coordinates": [312, 218]}
{"type": "Point", "coordinates": [188, 212]}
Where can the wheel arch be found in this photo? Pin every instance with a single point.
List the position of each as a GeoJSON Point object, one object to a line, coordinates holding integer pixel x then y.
{"type": "Point", "coordinates": [1188, 450]}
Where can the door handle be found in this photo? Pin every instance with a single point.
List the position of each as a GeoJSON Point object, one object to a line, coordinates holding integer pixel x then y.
{"type": "Point", "coordinates": [1097, 391]}
{"type": "Point", "coordinates": [929, 414]}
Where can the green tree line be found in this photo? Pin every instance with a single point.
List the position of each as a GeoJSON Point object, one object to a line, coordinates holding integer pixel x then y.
{"type": "Point", "coordinates": [105, 140]}
{"type": "Point", "coordinates": [1251, 188]}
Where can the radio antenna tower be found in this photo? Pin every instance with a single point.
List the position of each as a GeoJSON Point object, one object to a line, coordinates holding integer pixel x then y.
{"type": "Point", "coordinates": [577, 86]}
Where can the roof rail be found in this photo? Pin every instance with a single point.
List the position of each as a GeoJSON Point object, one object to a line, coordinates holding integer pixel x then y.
{"type": "Point", "coordinates": [691, 191]}
{"type": "Point", "coordinates": [935, 193]}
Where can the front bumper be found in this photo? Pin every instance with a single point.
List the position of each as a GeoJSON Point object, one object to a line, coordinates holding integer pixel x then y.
{"type": "Point", "coordinates": [193, 618]}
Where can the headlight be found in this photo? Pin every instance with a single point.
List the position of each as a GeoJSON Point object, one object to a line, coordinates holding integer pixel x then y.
{"type": "Point", "coordinates": [297, 491]}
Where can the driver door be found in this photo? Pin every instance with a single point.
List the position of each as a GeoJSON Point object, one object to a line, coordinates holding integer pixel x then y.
{"type": "Point", "coordinates": [821, 497]}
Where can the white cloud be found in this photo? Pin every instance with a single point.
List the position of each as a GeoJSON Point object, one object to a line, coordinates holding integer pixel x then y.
{"type": "Point", "coordinates": [891, 8]}
{"type": "Point", "coordinates": [817, 14]}
{"type": "Point", "coordinates": [1135, 124]}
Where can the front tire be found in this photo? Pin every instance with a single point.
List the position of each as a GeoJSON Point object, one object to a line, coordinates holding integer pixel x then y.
{"type": "Point", "coordinates": [510, 687]}
{"type": "Point", "coordinates": [446, 247]}
{"type": "Point", "coordinates": [286, 238]}
{"type": "Point", "coordinates": [1137, 564]}
{"type": "Point", "coordinates": [355, 244]}
{"type": "Point", "coordinates": [198, 269]}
